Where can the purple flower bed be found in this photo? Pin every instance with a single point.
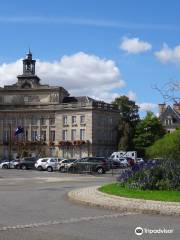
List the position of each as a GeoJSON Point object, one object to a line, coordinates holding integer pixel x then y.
{"type": "Point", "coordinates": [153, 175]}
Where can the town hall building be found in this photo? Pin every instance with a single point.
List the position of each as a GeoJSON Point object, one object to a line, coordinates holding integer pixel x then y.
{"type": "Point", "coordinates": [53, 122]}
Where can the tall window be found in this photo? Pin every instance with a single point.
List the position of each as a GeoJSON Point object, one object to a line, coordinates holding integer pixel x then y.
{"type": "Point", "coordinates": [82, 119]}
{"type": "Point", "coordinates": [26, 135]}
{"type": "Point", "coordinates": [34, 121]}
{"type": "Point", "coordinates": [43, 135]}
{"type": "Point", "coordinates": [65, 120]}
{"type": "Point", "coordinates": [73, 134]}
{"type": "Point", "coordinates": [5, 136]}
{"type": "Point", "coordinates": [34, 136]}
{"type": "Point", "coordinates": [82, 134]}
{"type": "Point", "coordinates": [43, 121]}
{"type": "Point", "coordinates": [65, 135]}
{"type": "Point", "coordinates": [73, 119]}
{"type": "Point", "coordinates": [52, 136]}
{"type": "Point", "coordinates": [52, 121]}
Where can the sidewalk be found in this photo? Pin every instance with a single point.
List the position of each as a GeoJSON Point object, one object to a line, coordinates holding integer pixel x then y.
{"type": "Point", "coordinates": [92, 197]}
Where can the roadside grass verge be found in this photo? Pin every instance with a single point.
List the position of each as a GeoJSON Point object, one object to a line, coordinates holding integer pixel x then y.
{"type": "Point", "coordinates": [116, 189]}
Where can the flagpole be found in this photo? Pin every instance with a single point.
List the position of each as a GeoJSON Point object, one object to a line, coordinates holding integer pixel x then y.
{"type": "Point", "coordinates": [10, 142]}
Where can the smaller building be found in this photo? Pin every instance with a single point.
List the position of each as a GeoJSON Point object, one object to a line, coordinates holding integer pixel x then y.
{"type": "Point", "coordinates": [170, 116]}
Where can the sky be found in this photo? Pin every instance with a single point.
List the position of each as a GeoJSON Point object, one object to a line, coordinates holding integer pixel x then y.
{"type": "Point", "coordinates": [99, 48]}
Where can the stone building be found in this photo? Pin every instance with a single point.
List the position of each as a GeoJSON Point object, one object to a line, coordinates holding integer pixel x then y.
{"type": "Point", "coordinates": [54, 123]}
{"type": "Point", "coordinates": [170, 116]}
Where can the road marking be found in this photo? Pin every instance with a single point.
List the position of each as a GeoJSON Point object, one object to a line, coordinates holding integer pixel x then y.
{"type": "Point", "coordinates": [66, 221]}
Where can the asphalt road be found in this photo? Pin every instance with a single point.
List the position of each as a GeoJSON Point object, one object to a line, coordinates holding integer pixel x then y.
{"type": "Point", "coordinates": [34, 206]}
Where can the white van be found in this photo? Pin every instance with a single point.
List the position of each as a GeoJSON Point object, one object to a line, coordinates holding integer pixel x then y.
{"type": "Point", "coordinates": [124, 154]}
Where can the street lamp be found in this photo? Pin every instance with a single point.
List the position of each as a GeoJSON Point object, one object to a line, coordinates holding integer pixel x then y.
{"type": "Point", "coordinates": [10, 142]}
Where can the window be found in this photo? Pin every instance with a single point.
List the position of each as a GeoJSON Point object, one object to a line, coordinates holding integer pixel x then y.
{"type": "Point", "coordinates": [73, 134]}
{"type": "Point", "coordinates": [34, 136]}
{"type": "Point", "coordinates": [65, 120]}
{"type": "Point", "coordinates": [52, 136]}
{"type": "Point", "coordinates": [168, 121]}
{"type": "Point", "coordinates": [53, 160]}
{"type": "Point", "coordinates": [44, 160]}
{"type": "Point", "coordinates": [43, 121]}
{"type": "Point", "coordinates": [73, 119]}
{"type": "Point", "coordinates": [65, 133]}
{"type": "Point", "coordinates": [26, 135]}
{"type": "Point", "coordinates": [34, 121]}
{"type": "Point", "coordinates": [43, 135]}
{"type": "Point", "coordinates": [82, 119]}
{"type": "Point", "coordinates": [82, 134]}
{"type": "Point", "coordinates": [5, 136]}
{"type": "Point", "coordinates": [52, 121]}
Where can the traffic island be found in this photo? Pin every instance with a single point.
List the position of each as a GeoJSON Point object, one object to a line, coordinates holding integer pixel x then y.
{"type": "Point", "coordinates": [93, 197]}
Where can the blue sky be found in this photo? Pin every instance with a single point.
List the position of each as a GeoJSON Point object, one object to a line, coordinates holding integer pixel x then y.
{"type": "Point", "coordinates": [120, 41]}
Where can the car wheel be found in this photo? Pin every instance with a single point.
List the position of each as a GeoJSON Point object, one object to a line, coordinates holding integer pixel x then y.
{"type": "Point", "coordinates": [39, 168]}
{"type": "Point", "coordinates": [5, 166]}
{"type": "Point", "coordinates": [49, 169]}
{"type": "Point", "coordinates": [100, 170]}
{"type": "Point", "coordinates": [23, 167]}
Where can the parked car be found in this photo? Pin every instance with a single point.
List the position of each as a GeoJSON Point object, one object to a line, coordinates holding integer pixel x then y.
{"type": "Point", "coordinates": [26, 163]}
{"type": "Point", "coordinates": [65, 164]}
{"type": "Point", "coordinates": [113, 163]}
{"type": "Point", "coordinates": [124, 162]}
{"type": "Point", "coordinates": [41, 163]}
{"type": "Point", "coordinates": [52, 164]}
{"type": "Point", "coordinates": [9, 164]}
{"type": "Point", "coordinates": [90, 164]}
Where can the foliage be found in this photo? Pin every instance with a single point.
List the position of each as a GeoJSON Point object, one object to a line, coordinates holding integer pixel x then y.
{"type": "Point", "coordinates": [127, 121]}
{"type": "Point", "coordinates": [147, 132]}
{"type": "Point", "coordinates": [154, 175]}
{"type": "Point", "coordinates": [168, 147]}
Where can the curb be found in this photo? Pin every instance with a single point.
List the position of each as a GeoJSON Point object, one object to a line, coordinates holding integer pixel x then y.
{"type": "Point", "coordinates": [91, 196]}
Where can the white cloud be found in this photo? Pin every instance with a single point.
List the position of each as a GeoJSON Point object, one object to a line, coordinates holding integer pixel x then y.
{"type": "Point", "coordinates": [167, 54]}
{"type": "Point", "coordinates": [147, 106]}
{"type": "Point", "coordinates": [80, 74]}
{"type": "Point", "coordinates": [131, 95]}
{"type": "Point", "coordinates": [134, 45]}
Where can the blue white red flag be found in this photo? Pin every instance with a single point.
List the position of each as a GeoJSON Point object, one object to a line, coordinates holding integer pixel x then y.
{"type": "Point", "coordinates": [19, 130]}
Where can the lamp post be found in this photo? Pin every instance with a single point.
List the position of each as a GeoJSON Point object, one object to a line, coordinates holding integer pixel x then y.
{"type": "Point", "coordinates": [10, 142]}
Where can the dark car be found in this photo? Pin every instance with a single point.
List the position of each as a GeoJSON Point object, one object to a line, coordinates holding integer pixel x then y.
{"type": "Point", "coordinates": [90, 164]}
{"type": "Point", "coordinates": [113, 163]}
{"type": "Point", "coordinates": [27, 163]}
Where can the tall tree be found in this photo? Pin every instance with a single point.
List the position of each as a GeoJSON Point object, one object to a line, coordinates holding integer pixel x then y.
{"type": "Point", "coordinates": [128, 120]}
{"type": "Point", "coordinates": [167, 147]}
{"type": "Point", "coordinates": [148, 130]}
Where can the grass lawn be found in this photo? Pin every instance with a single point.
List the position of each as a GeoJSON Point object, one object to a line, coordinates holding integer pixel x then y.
{"type": "Point", "coordinates": [116, 189]}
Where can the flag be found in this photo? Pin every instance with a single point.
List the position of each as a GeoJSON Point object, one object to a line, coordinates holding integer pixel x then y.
{"type": "Point", "coordinates": [19, 130]}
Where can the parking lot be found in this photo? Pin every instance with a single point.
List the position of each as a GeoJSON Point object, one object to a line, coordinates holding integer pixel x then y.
{"type": "Point", "coordinates": [34, 205]}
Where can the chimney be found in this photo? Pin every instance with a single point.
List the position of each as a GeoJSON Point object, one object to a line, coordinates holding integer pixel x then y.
{"type": "Point", "coordinates": [162, 108]}
{"type": "Point", "coordinates": [176, 107]}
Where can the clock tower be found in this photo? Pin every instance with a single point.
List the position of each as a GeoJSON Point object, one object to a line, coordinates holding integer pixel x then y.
{"type": "Point", "coordinates": [29, 64]}
{"type": "Point", "coordinates": [28, 79]}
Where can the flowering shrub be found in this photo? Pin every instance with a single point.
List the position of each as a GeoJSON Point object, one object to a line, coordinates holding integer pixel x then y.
{"type": "Point", "coordinates": [160, 175]}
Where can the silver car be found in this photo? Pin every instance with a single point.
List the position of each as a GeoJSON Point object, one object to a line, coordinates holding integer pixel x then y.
{"type": "Point", "coordinates": [52, 164]}
{"type": "Point", "coordinates": [9, 164]}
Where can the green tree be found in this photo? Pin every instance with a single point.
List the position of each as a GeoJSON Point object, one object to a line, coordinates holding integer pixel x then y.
{"type": "Point", "coordinates": [128, 120]}
{"type": "Point", "coordinates": [148, 130]}
{"type": "Point", "coordinates": [168, 147]}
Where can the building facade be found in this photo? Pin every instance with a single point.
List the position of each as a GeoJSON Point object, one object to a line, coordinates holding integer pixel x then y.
{"type": "Point", "coordinates": [54, 123]}
{"type": "Point", "coordinates": [170, 116]}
